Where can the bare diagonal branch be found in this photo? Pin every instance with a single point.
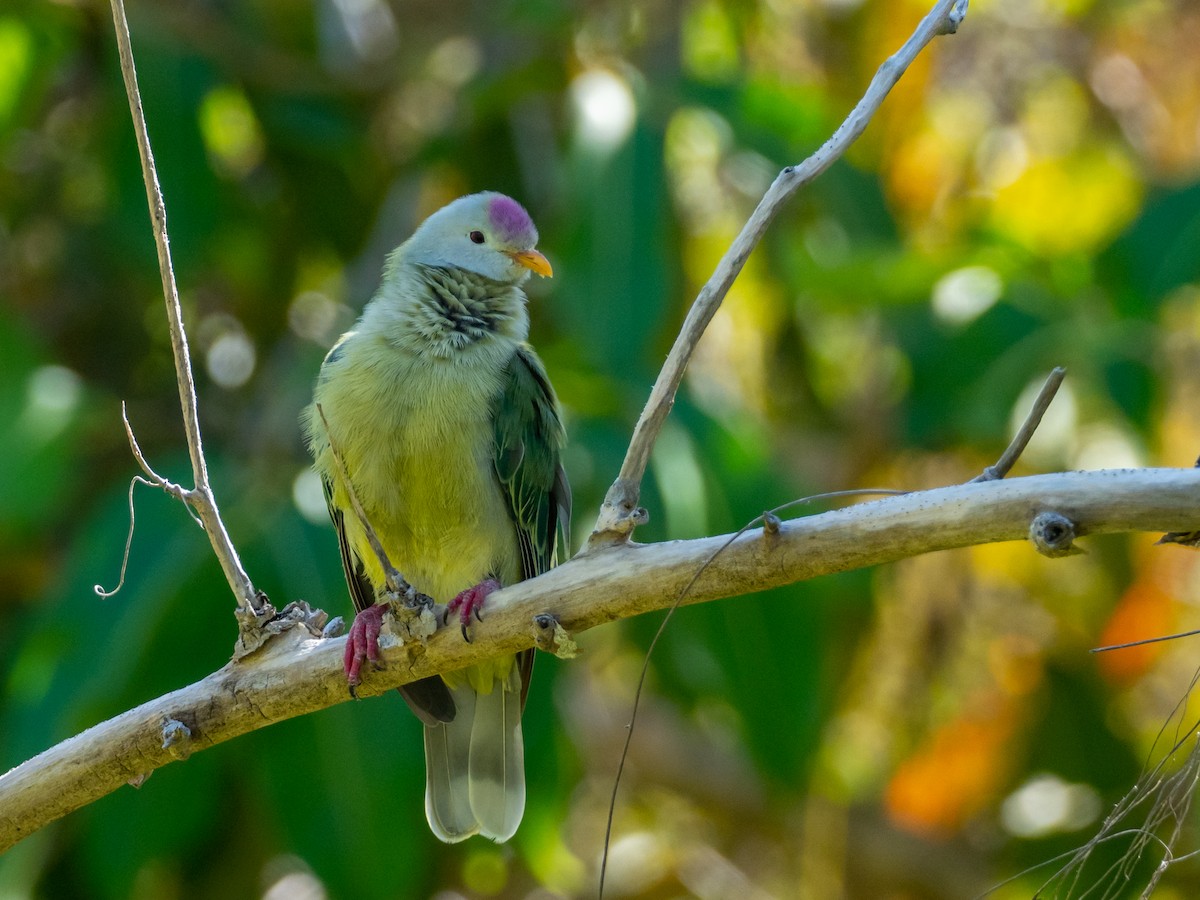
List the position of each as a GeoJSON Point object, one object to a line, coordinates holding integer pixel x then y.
{"type": "Point", "coordinates": [620, 514]}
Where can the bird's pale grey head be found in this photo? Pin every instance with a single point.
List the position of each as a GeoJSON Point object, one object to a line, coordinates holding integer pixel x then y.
{"type": "Point", "coordinates": [488, 234]}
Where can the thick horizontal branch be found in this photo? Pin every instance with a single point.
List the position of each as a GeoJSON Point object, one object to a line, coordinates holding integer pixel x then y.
{"type": "Point", "coordinates": [295, 674]}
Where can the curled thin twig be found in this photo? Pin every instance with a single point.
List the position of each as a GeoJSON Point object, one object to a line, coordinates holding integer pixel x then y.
{"type": "Point", "coordinates": [100, 591]}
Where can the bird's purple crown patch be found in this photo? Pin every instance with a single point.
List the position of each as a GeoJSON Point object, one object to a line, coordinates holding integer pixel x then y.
{"type": "Point", "coordinates": [511, 220]}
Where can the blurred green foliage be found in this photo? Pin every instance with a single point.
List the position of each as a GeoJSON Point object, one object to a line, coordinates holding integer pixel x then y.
{"type": "Point", "coordinates": [1028, 197]}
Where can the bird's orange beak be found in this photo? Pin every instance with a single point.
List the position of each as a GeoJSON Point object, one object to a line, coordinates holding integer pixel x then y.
{"type": "Point", "coordinates": [533, 261]}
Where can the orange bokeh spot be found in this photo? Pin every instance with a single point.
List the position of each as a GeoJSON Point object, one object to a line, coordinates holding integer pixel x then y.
{"type": "Point", "coordinates": [1143, 612]}
{"type": "Point", "coordinates": [955, 774]}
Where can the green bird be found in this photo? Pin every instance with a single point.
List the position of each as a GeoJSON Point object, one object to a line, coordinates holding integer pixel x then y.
{"type": "Point", "coordinates": [450, 433]}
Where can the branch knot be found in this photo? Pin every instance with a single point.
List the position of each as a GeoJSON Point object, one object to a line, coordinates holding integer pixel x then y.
{"type": "Point", "coordinates": [549, 635]}
{"type": "Point", "coordinates": [1053, 535]}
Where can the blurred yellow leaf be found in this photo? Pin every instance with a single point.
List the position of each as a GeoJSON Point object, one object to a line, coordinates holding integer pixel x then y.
{"type": "Point", "coordinates": [1069, 204]}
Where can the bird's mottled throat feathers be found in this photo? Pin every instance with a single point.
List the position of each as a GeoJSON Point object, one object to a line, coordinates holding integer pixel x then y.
{"type": "Point", "coordinates": [459, 308]}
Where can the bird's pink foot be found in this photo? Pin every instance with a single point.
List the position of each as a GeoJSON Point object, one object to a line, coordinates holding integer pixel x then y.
{"type": "Point", "coordinates": [363, 641]}
{"type": "Point", "coordinates": [469, 603]}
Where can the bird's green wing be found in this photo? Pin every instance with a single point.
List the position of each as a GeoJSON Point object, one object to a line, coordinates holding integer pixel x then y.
{"type": "Point", "coordinates": [529, 441]}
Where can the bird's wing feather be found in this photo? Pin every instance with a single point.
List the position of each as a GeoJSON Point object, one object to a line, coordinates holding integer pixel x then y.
{"type": "Point", "coordinates": [529, 438]}
{"type": "Point", "coordinates": [361, 591]}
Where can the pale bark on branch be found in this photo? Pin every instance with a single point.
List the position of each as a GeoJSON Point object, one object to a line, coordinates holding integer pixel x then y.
{"type": "Point", "coordinates": [296, 674]}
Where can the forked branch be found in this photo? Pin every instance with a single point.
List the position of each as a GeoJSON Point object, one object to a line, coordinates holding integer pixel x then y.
{"type": "Point", "coordinates": [252, 606]}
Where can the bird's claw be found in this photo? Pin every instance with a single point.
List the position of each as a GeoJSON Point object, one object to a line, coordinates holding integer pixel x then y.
{"type": "Point", "coordinates": [416, 601]}
{"type": "Point", "coordinates": [470, 603]}
{"type": "Point", "coordinates": [362, 643]}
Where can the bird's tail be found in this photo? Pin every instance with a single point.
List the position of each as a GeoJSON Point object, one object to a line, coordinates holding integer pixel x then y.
{"type": "Point", "coordinates": [475, 765]}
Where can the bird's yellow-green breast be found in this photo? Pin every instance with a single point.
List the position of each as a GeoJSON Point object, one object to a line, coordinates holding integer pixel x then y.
{"type": "Point", "coordinates": [417, 442]}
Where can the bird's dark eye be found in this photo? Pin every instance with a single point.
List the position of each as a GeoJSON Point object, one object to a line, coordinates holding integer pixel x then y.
{"type": "Point", "coordinates": [476, 236]}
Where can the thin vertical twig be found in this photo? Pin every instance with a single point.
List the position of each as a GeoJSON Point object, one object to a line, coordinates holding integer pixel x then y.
{"type": "Point", "coordinates": [200, 497]}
